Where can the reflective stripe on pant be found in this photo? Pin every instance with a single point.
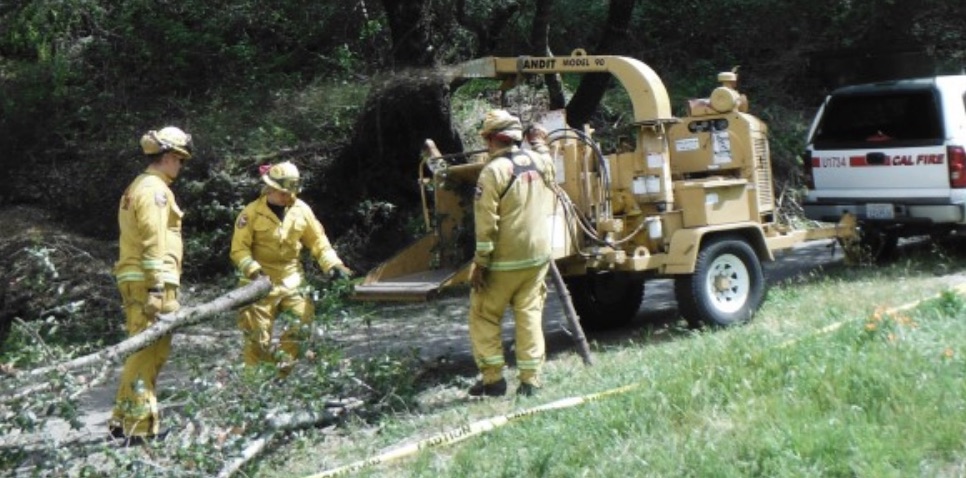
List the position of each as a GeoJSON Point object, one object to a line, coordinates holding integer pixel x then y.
{"type": "Point", "coordinates": [136, 405]}
{"type": "Point", "coordinates": [525, 292]}
{"type": "Point", "coordinates": [258, 320]}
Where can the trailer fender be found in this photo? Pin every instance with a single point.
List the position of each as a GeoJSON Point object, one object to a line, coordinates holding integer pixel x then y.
{"type": "Point", "coordinates": [686, 243]}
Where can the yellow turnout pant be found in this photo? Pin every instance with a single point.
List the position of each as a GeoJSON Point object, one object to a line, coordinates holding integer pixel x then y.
{"type": "Point", "coordinates": [525, 291]}
{"type": "Point", "coordinates": [136, 405]}
{"type": "Point", "coordinates": [257, 321]}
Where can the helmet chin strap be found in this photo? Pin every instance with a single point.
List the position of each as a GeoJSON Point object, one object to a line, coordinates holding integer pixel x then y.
{"type": "Point", "coordinates": [287, 198]}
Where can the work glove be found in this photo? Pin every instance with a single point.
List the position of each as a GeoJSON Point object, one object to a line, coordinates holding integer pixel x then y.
{"type": "Point", "coordinates": [340, 271]}
{"type": "Point", "coordinates": [256, 274]}
{"type": "Point", "coordinates": [160, 301]}
{"type": "Point", "coordinates": [478, 277]}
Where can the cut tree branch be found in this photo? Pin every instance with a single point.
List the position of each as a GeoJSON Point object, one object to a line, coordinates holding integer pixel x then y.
{"type": "Point", "coordinates": [166, 324]}
{"type": "Point", "coordinates": [287, 422]}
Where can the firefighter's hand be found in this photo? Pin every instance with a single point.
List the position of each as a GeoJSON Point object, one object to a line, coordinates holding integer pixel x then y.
{"type": "Point", "coordinates": [161, 301]}
{"type": "Point", "coordinates": [478, 277]}
{"type": "Point", "coordinates": [340, 271]}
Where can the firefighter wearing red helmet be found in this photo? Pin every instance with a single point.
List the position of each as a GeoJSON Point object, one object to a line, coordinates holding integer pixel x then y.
{"type": "Point", "coordinates": [148, 274]}
{"type": "Point", "coordinates": [269, 236]}
{"type": "Point", "coordinates": [513, 201]}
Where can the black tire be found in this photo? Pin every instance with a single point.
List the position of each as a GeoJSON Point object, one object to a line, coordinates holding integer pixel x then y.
{"type": "Point", "coordinates": [727, 285]}
{"type": "Point", "coordinates": [877, 245]}
{"type": "Point", "coordinates": [605, 300]}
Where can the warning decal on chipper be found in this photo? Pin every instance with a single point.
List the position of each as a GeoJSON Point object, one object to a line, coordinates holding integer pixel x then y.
{"type": "Point", "coordinates": [687, 144]}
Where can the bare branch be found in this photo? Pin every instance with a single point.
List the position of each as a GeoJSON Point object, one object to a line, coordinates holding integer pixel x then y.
{"type": "Point", "coordinates": [166, 324]}
{"type": "Point", "coordinates": [288, 422]}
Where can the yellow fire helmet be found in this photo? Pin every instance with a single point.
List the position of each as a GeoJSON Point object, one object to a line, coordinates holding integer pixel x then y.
{"type": "Point", "coordinates": [166, 139]}
{"type": "Point", "coordinates": [502, 124]}
{"type": "Point", "coordinates": [283, 176]}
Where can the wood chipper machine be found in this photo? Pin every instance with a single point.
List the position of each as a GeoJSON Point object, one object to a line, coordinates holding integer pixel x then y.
{"type": "Point", "coordinates": [686, 198]}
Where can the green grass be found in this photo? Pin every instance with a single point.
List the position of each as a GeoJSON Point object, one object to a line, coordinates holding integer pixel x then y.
{"type": "Point", "coordinates": [882, 394]}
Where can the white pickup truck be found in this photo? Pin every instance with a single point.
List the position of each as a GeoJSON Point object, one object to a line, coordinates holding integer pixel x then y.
{"type": "Point", "coordinates": [891, 153]}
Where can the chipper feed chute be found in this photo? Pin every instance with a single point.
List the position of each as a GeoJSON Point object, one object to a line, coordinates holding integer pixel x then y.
{"type": "Point", "coordinates": [441, 258]}
{"type": "Point", "coordinates": [409, 276]}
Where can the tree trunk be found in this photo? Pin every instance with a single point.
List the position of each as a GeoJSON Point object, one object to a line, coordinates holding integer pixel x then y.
{"type": "Point", "coordinates": [488, 31]}
{"type": "Point", "coordinates": [592, 86]}
{"type": "Point", "coordinates": [539, 40]}
{"type": "Point", "coordinates": [410, 26]}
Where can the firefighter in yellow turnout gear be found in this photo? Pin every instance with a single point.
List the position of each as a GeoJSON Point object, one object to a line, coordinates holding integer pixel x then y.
{"type": "Point", "coordinates": [148, 274]}
{"type": "Point", "coordinates": [269, 235]}
{"type": "Point", "coordinates": [513, 202]}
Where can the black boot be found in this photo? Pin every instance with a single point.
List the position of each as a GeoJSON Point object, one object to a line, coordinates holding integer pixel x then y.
{"type": "Point", "coordinates": [118, 435]}
{"type": "Point", "coordinates": [527, 389]}
{"type": "Point", "coordinates": [495, 389]}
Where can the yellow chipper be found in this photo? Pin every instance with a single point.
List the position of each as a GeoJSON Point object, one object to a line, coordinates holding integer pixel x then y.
{"type": "Point", "coordinates": [687, 198]}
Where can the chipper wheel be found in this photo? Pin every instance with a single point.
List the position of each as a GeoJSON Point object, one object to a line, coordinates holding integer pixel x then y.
{"type": "Point", "coordinates": [727, 285]}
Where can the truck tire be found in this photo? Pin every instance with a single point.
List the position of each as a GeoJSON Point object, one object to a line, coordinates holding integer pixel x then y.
{"type": "Point", "coordinates": [605, 300]}
{"type": "Point", "coordinates": [727, 285]}
{"type": "Point", "coordinates": [877, 245]}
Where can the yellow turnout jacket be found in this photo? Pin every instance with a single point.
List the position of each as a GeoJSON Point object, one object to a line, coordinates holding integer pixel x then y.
{"type": "Point", "coordinates": [262, 242]}
{"type": "Point", "coordinates": [150, 222]}
{"type": "Point", "coordinates": [512, 207]}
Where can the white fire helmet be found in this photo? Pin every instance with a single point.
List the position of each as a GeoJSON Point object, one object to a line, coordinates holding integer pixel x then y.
{"type": "Point", "coordinates": [283, 176]}
{"type": "Point", "coordinates": [166, 139]}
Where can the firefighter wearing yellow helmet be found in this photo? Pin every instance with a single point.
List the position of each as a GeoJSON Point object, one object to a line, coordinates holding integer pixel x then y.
{"type": "Point", "coordinates": [148, 274]}
{"type": "Point", "coordinates": [513, 200]}
{"type": "Point", "coordinates": [269, 235]}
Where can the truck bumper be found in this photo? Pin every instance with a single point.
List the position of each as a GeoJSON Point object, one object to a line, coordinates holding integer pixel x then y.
{"type": "Point", "coordinates": [904, 213]}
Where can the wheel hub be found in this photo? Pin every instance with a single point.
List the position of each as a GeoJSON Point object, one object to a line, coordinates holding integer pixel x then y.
{"type": "Point", "coordinates": [722, 283]}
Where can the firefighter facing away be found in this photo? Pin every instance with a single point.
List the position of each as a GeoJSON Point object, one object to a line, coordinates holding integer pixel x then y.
{"type": "Point", "coordinates": [269, 235]}
{"type": "Point", "coordinates": [148, 275]}
{"type": "Point", "coordinates": [513, 201]}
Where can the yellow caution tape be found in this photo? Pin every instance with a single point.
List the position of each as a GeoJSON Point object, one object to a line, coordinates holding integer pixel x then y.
{"type": "Point", "coordinates": [467, 431]}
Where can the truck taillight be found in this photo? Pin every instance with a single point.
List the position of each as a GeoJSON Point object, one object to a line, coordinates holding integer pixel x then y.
{"type": "Point", "coordinates": [807, 169]}
{"type": "Point", "coordinates": [957, 166]}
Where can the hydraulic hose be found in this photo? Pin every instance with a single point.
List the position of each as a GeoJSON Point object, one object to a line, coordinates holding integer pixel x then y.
{"type": "Point", "coordinates": [584, 223]}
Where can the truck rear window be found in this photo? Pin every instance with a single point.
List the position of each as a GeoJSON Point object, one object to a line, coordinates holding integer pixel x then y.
{"type": "Point", "coordinates": [888, 119]}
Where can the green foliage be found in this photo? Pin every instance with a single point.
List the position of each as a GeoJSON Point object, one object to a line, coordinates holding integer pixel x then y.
{"type": "Point", "coordinates": [27, 345]}
{"type": "Point", "coordinates": [213, 205]}
{"type": "Point", "coordinates": [82, 79]}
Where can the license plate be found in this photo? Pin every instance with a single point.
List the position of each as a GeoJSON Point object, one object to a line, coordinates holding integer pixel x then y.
{"type": "Point", "coordinates": [879, 211]}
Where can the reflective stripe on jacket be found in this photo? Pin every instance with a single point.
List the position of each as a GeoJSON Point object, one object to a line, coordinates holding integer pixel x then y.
{"type": "Point", "coordinates": [512, 207]}
{"type": "Point", "coordinates": [150, 223]}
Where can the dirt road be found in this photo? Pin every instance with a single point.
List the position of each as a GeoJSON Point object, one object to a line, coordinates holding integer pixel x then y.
{"type": "Point", "coordinates": [437, 331]}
